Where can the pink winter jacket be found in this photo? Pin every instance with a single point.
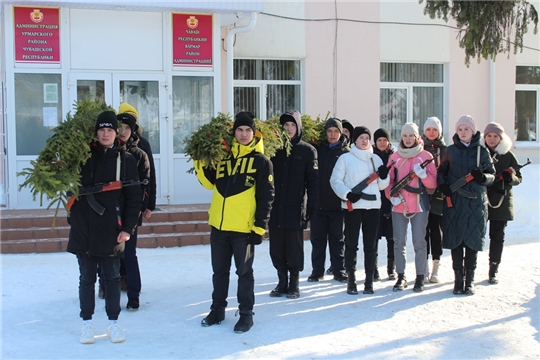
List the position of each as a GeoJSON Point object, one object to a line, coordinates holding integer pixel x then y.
{"type": "Point", "coordinates": [414, 202]}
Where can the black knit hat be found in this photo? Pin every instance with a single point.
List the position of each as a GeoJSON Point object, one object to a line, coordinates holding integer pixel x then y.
{"type": "Point", "coordinates": [359, 130]}
{"type": "Point", "coordinates": [107, 119]}
{"type": "Point", "coordinates": [244, 118]}
{"type": "Point", "coordinates": [129, 120]}
{"type": "Point", "coordinates": [379, 133]}
{"type": "Point", "coordinates": [347, 125]}
{"type": "Point", "coordinates": [333, 122]}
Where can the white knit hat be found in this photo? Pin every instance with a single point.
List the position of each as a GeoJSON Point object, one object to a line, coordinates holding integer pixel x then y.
{"type": "Point", "coordinates": [410, 128]}
{"type": "Point", "coordinates": [433, 122]}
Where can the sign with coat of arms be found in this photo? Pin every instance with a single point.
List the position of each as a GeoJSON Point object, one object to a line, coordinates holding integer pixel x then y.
{"type": "Point", "coordinates": [192, 40]}
{"type": "Point", "coordinates": [37, 35]}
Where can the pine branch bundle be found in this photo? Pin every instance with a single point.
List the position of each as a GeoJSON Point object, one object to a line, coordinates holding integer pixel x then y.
{"type": "Point", "coordinates": [56, 171]}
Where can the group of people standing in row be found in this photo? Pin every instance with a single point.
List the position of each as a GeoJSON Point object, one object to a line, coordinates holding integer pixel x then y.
{"type": "Point", "coordinates": [354, 182]}
{"type": "Point", "coordinates": [350, 182]}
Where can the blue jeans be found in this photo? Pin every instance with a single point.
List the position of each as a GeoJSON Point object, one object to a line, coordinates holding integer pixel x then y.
{"type": "Point", "coordinates": [225, 245]}
{"type": "Point", "coordinates": [110, 273]}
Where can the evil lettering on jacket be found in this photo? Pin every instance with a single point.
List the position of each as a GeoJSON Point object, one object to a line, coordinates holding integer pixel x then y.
{"type": "Point", "coordinates": [242, 166]}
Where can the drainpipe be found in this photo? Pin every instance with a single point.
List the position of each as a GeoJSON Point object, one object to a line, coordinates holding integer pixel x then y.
{"type": "Point", "coordinates": [230, 65]}
{"type": "Point", "coordinates": [491, 90]}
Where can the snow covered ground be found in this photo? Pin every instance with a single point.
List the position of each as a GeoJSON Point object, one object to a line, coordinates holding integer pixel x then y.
{"type": "Point", "coordinates": [40, 308]}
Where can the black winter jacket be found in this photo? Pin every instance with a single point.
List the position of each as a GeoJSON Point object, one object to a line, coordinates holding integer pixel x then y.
{"type": "Point", "coordinates": [144, 145]}
{"type": "Point", "coordinates": [294, 175]}
{"type": "Point", "coordinates": [97, 234]}
{"type": "Point", "coordinates": [386, 228]}
{"type": "Point", "coordinates": [327, 157]}
{"type": "Point", "coordinates": [437, 148]}
{"type": "Point", "coordinates": [466, 220]}
{"type": "Point", "coordinates": [143, 169]}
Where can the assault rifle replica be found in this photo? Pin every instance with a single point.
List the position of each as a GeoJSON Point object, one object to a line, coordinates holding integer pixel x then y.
{"type": "Point", "coordinates": [461, 182]}
{"type": "Point", "coordinates": [407, 179]}
{"type": "Point", "coordinates": [510, 170]}
{"type": "Point", "coordinates": [363, 184]}
{"type": "Point", "coordinates": [89, 192]}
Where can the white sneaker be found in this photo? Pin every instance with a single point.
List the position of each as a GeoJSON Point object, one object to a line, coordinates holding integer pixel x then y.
{"type": "Point", "coordinates": [87, 334]}
{"type": "Point", "coordinates": [115, 333]}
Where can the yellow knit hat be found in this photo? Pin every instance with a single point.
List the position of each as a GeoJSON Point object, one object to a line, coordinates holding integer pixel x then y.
{"type": "Point", "coordinates": [125, 108]}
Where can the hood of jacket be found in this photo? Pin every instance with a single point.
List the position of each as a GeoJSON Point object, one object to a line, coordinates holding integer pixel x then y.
{"type": "Point", "coordinates": [504, 146]}
{"type": "Point", "coordinates": [256, 145]}
{"type": "Point", "coordinates": [297, 118]}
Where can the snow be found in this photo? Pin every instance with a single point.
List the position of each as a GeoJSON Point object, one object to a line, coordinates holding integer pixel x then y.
{"type": "Point", "coordinates": [40, 308]}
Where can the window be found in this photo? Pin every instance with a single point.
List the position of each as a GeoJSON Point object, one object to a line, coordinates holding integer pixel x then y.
{"type": "Point", "coordinates": [410, 93]}
{"type": "Point", "coordinates": [267, 88]}
{"type": "Point", "coordinates": [527, 103]}
{"type": "Point", "coordinates": [193, 106]}
{"type": "Point", "coordinates": [38, 109]}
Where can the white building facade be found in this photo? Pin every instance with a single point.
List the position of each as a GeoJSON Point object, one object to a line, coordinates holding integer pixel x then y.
{"type": "Point", "coordinates": [375, 63]}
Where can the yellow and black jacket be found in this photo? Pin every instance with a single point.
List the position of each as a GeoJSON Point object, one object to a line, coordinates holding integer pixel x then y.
{"type": "Point", "coordinates": [243, 185]}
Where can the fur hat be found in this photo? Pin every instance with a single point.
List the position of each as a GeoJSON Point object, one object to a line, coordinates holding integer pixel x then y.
{"type": "Point", "coordinates": [410, 128]}
{"type": "Point", "coordinates": [333, 122]}
{"type": "Point", "coordinates": [433, 122]}
{"type": "Point", "coordinates": [130, 120]}
{"type": "Point", "coordinates": [494, 128]}
{"type": "Point", "coordinates": [467, 120]}
{"type": "Point", "coordinates": [107, 119]}
{"type": "Point", "coordinates": [125, 108]}
{"type": "Point", "coordinates": [379, 133]}
{"type": "Point", "coordinates": [348, 125]}
{"type": "Point", "coordinates": [244, 118]}
{"type": "Point", "coordinates": [359, 130]}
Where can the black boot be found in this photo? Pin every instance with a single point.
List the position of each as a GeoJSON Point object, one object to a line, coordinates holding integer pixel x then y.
{"type": "Point", "coordinates": [391, 265]}
{"type": "Point", "coordinates": [458, 282]}
{"type": "Point", "coordinates": [351, 283]}
{"type": "Point", "coordinates": [281, 287]}
{"type": "Point", "coordinates": [493, 269]}
{"type": "Point", "coordinates": [469, 282]}
{"type": "Point", "coordinates": [245, 322]}
{"type": "Point", "coordinates": [401, 282]}
{"type": "Point", "coordinates": [419, 283]}
{"type": "Point", "coordinates": [376, 276]}
{"type": "Point", "coordinates": [368, 284]}
{"type": "Point", "coordinates": [390, 268]}
{"type": "Point", "coordinates": [216, 316]}
{"type": "Point", "coordinates": [294, 287]}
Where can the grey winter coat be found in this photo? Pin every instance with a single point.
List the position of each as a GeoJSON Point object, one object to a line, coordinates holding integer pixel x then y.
{"type": "Point", "coordinates": [466, 220]}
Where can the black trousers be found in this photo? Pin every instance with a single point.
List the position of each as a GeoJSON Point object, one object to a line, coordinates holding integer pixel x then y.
{"type": "Point", "coordinates": [131, 262]}
{"type": "Point", "coordinates": [327, 227]}
{"type": "Point", "coordinates": [287, 248]}
{"type": "Point", "coordinates": [458, 257]}
{"type": "Point", "coordinates": [225, 245]}
{"type": "Point", "coordinates": [369, 221]}
{"type": "Point", "coordinates": [434, 236]}
{"type": "Point", "coordinates": [110, 274]}
{"type": "Point", "coordinates": [496, 240]}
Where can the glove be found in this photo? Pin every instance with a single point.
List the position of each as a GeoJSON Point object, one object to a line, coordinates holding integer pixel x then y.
{"type": "Point", "coordinates": [478, 176]}
{"type": "Point", "coordinates": [395, 200]}
{"type": "Point", "coordinates": [445, 189]}
{"type": "Point", "coordinates": [353, 197]}
{"type": "Point", "coordinates": [254, 238]}
{"type": "Point", "coordinates": [419, 171]}
{"type": "Point", "coordinates": [506, 176]}
{"type": "Point", "coordinates": [383, 172]}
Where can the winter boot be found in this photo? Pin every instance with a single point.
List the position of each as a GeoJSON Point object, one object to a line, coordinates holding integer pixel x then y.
{"type": "Point", "coordinates": [469, 283]}
{"type": "Point", "coordinates": [419, 283]}
{"type": "Point", "coordinates": [376, 276]}
{"type": "Point", "coordinates": [351, 283]}
{"type": "Point", "coordinates": [391, 270]}
{"type": "Point", "coordinates": [294, 287]}
{"type": "Point", "coordinates": [245, 322]}
{"type": "Point", "coordinates": [281, 287]}
{"type": "Point", "coordinates": [458, 282]}
{"type": "Point", "coordinates": [493, 269]}
{"type": "Point", "coordinates": [435, 272]}
{"type": "Point", "coordinates": [401, 282]}
{"type": "Point", "coordinates": [216, 316]}
{"type": "Point", "coordinates": [368, 284]}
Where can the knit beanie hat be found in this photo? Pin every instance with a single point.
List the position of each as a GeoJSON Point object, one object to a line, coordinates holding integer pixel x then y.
{"type": "Point", "coordinates": [359, 130]}
{"type": "Point", "coordinates": [347, 125]}
{"type": "Point", "coordinates": [494, 128]}
{"type": "Point", "coordinates": [433, 122]}
{"type": "Point", "coordinates": [333, 122]}
{"type": "Point", "coordinates": [381, 133]}
{"type": "Point", "coordinates": [107, 119]}
{"type": "Point", "coordinates": [467, 120]}
{"type": "Point", "coordinates": [125, 108]}
{"type": "Point", "coordinates": [130, 120]}
{"type": "Point", "coordinates": [244, 118]}
{"type": "Point", "coordinates": [410, 128]}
